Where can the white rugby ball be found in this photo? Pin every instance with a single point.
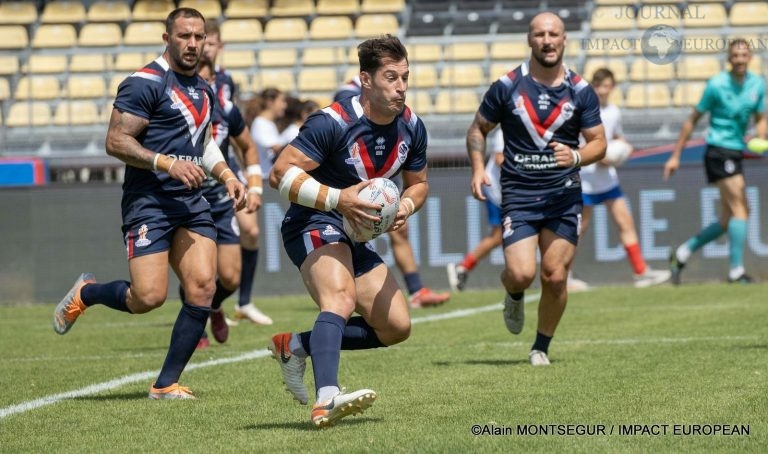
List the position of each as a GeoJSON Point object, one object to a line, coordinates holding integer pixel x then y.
{"type": "Point", "coordinates": [384, 193]}
{"type": "Point", "coordinates": [618, 152]}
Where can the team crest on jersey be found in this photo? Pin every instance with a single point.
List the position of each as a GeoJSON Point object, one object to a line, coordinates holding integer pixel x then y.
{"type": "Point", "coordinates": [354, 152]}
{"type": "Point", "coordinates": [508, 231]}
{"type": "Point", "coordinates": [142, 240]}
{"type": "Point", "coordinates": [402, 152]}
{"type": "Point", "coordinates": [567, 110]}
{"type": "Point", "coordinates": [193, 93]}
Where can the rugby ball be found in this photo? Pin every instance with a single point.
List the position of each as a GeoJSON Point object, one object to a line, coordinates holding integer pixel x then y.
{"type": "Point", "coordinates": [617, 153]}
{"type": "Point", "coordinates": [382, 192]}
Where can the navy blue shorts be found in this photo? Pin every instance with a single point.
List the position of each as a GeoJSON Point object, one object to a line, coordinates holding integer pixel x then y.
{"type": "Point", "coordinates": [560, 214]}
{"type": "Point", "coordinates": [227, 228]}
{"type": "Point", "coordinates": [150, 220]}
{"type": "Point", "coordinates": [597, 199]}
{"type": "Point", "coordinates": [305, 230]}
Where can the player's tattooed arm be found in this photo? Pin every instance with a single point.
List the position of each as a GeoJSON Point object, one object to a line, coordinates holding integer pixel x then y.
{"type": "Point", "coordinates": [121, 140]}
{"type": "Point", "coordinates": [476, 142]}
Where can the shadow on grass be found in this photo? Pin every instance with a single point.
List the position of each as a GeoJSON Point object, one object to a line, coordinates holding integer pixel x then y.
{"type": "Point", "coordinates": [115, 396]}
{"type": "Point", "coordinates": [483, 362]}
{"type": "Point", "coordinates": [756, 346]}
{"type": "Point", "coordinates": [306, 425]}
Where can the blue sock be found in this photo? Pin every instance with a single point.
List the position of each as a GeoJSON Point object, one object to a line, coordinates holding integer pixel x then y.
{"type": "Point", "coordinates": [709, 233]}
{"type": "Point", "coordinates": [112, 294]}
{"type": "Point", "coordinates": [737, 236]}
{"type": "Point", "coordinates": [358, 335]}
{"type": "Point", "coordinates": [413, 282]}
{"type": "Point", "coordinates": [541, 343]}
{"type": "Point", "coordinates": [325, 345]}
{"type": "Point", "coordinates": [250, 258]}
{"type": "Point", "coordinates": [187, 330]}
{"type": "Point", "coordinates": [220, 295]}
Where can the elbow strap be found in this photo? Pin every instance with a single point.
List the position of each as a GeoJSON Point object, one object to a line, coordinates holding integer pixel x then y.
{"type": "Point", "coordinates": [211, 156]}
{"type": "Point", "coordinates": [299, 187]}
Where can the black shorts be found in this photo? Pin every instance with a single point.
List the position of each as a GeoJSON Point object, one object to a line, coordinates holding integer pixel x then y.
{"type": "Point", "coordinates": [721, 163]}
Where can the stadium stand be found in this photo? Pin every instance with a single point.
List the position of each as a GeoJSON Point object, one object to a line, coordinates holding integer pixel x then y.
{"type": "Point", "coordinates": [751, 13]}
{"type": "Point", "coordinates": [143, 34]}
{"type": "Point", "coordinates": [149, 10]}
{"type": "Point", "coordinates": [46, 64]}
{"type": "Point", "coordinates": [423, 76]}
{"type": "Point", "coordinates": [276, 57]}
{"type": "Point", "coordinates": [54, 36]}
{"type": "Point", "coordinates": [233, 58]}
{"type": "Point", "coordinates": [76, 113]}
{"type": "Point", "coordinates": [9, 65]}
{"type": "Point", "coordinates": [37, 88]}
{"type": "Point", "coordinates": [109, 11]}
{"type": "Point", "coordinates": [129, 61]}
{"type": "Point", "coordinates": [323, 56]}
{"type": "Point", "coordinates": [330, 27]}
{"type": "Point", "coordinates": [382, 6]}
{"type": "Point", "coordinates": [20, 13]}
{"type": "Point", "coordinates": [209, 8]}
{"type": "Point", "coordinates": [100, 35]}
{"type": "Point", "coordinates": [13, 37]}
{"type": "Point", "coordinates": [707, 15]}
{"type": "Point", "coordinates": [247, 9]}
{"type": "Point", "coordinates": [63, 12]}
{"type": "Point", "coordinates": [338, 7]}
{"type": "Point", "coordinates": [26, 114]}
{"type": "Point", "coordinates": [285, 29]}
{"type": "Point", "coordinates": [5, 89]}
{"type": "Point", "coordinates": [371, 25]}
{"type": "Point", "coordinates": [85, 87]}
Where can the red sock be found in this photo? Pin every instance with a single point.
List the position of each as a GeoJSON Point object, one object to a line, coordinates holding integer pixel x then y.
{"type": "Point", "coordinates": [635, 258]}
{"type": "Point", "coordinates": [469, 262]}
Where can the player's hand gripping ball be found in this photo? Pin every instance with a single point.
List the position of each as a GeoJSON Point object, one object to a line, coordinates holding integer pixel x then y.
{"type": "Point", "coordinates": [382, 192]}
{"type": "Point", "coordinates": [617, 152]}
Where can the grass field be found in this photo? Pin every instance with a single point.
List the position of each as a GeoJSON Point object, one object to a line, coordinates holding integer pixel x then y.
{"type": "Point", "coordinates": [694, 355]}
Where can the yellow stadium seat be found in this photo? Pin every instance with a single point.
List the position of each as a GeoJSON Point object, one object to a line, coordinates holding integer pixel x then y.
{"type": "Point", "coordinates": [37, 88]}
{"type": "Point", "coordinates": [697, 68]}
{"type": "Point", "coordinates": [611, 18]}
{"type": "Point", "coordinates": [688, 93]}
{"type": "Point", "coordinates": [100, 35]}
{"type": "Point", "coordinates": [25, 114]}
{"type": "Point", "coordinates": [13, 37]}
{"type": "Point", "coordinates": [5, 89]}
{"type": "Point", "coordinates": [322, 99]}
{"type": "Point", "coordinates": [9, 65]}
{"type": "Point", "coordinates": [330, 27]}
{"type": "Point", "coordinates": [647, 95]}
{"type": "Point", "coordinates": [21, 13]}
{"type": "Point", "coordinates": [278, 57]}
{"type": "Point", "coordinates": [756, 64]}
{"type": "Point", "coordinates": [617, 96]}
{"type": "Point", "coordinates": [210, 9]}
{"type": "Point", "coordinates": [76, 113]}
{"type": "Point", "coordinates": [382, 6]}
{"type": "Point", "coordinates": [643, 70]}
{"type": "Point", "coordinates": [285, 29]}
{"type": "Point", "coordinates": [241, 31]}
{"type": "Point", "coordinates": [352, 57]}
{"type": "Point", "coordinates": [318, 79]}
{"type": "Point", "coordinates": [282, 8]}
{"type": "Point", "coordinates": [704, 15]}
{"type": "Point", "coordinates": [331, 7]}
{"type": "Point", "coordinates": [115, 82]}
{"type": "Point", "coordinates": [129, 61]}
{"type": "Point", "coordinates": [462, 76]}
{"type": "Point", "coordinates": [502, 50]}
{"type": "Point", "coordinates": [499, 69]}
{"type": "Point", "coordinates": [420, 53]}
{"type": "Point", "coordinates": [240, 78]}
{"type": "Point", "coordinates": [109, 11]}
{"type": "Point", "coordinates": [46, 64]}
{"type": "Point", "coordinates": [617, 67]}
{"type": "Point", "coordinates": [81, 87]}
{"type": "Point", "coordinates": [704, 43]}
{"type": "Point", "coordinates": [149, 10]}
{"type": "Point", "coordinates": [456, 102]}
{"type": "Point", "coordinates": [420, 102]}
{"type": "Point", "coordinates": [144, 34]}
{"type": "Point", "coordinates": [90, 63]}
{"type": "Point", "coordinates": [423, 76]}
{"type": "Point", "coordinates": [323, 56]}
{"type": "Point", "coordinates": [466, 51]}
{"type": "Point", "coordinates": [241, 9]}
{"type": "Point", "coordinates": [350, 74]}
{"type": "Point", "coordinates": [280, 79]}
{"type": "Point", "coordinates": [63, 12]}
{"type": "Point", "coordinates": [372, 25]}
{"type": "Point", "coordinates": [54, 35]}
{"type": "Point", "coordinates": [238, 58]}
{"type": "Point", "coordinates": [745, 14]}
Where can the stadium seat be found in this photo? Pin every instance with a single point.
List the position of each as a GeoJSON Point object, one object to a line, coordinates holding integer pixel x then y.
{"type": "Point", "coordinates": [144, 34]}
{"type": "Point", "coordinates": [643, 70]}
{"type": "Point", "coordinates": [697, 68]}
{"type": "Point", "coordinates": [650, 15]}
{"type": "Point", "coordinates": [54, 35]}
{"type": "Point", "coordinates": [115, 82]}
{"type": "Point", "coordinates": [318, 79]}
{"type": "Point", "coordinates": [423, 76]}
{"type": "Point", "coordinates": [330, 27]}
{"type": "Point", "coordinates": [210, 9]}
{"type": "Point", "coordinates": [617, 67]}
{"type": "Point", "coordinates": [100, 35]}
{"type": "Point", "coordinates": [466, 51]}
{"type": "Point", "coordinates": [456, 102]}
{"type": "Point", "coordinates": [499, 69]}
{"type": "Point", "coordinates": [323, 56]}
{"type": "Point", "coordinates": [462, 76]}
{"type": "Point", "coordinates": [372, 25]}
{"type": "Point", "coordinates": [516, 16]}
{"type": "Point", "coordinates": [649, 95]}
{"type": "Point", "coordinates": [352, 57]}
{"type": "Point", "coordinates": [150, 10]}
{"type": "Point", "coordinates": [46, 64]}
{"type": "Point", "coordinates": [5, 89]}
{"type": "Point", "coordinates": [76, 113]}
{"type": "Point", "coordinates": [243, 9]}
{"type": "Point", "coordinates": [241, 31]}
{"type": "Point", "coordinates": [37, 88]}
{"type": "Point", "coordinates": [278, 57]}
{"type": "Point", "coordinates": [90, 63]}
{"type": "Point", "coordinates": [420, 102]}
{"type": "Point", "coordinates": [322, 99]}
{"type": "Point", "coordinates": [241, 79]}
{"type": "Point", "coordinates": [285, 29]}
{"type": "Point", "coordinates": [25, 114]}
{"type": "Point", "coordinates": [573, 49]}
{"type": "Point", "coordinates": [428, 23]}
{"type": "Point", "coordinates": [502, 50]}
{"type": "Point", "coordinates": [688, 94]}
{"type": "Point", "coordinates": [756, 65]}
{"type": "Point", "coordinates": [617, 96]}
{"type": "Point", "coordinates": [280, 79]}
{"type": "Point", "coordinates": [334, 7]}
{"type": "Point", "coordinates": [382, 6]}
{"type": "Point", "coordinates": [238, 58]}
{"type": "Point", "coordinates": [109, 11]}
{"type": "Point", "coordinates": [129, 61]}
{"type": "Point", "coordinates": [597, 46]}
{"type": "Point", "coordinates": [83, 87]}
{"type": "Point", "coordinates": [20, 13]}
{"type": "Point", "coordinates": [611, 18]}
{"type": "Point", "coordinates": [472, 23]}
{"type": "Point", "coordinates": [422, 53]}
{"type": "Point", "coordinates": [63, 12]}
{"type": "Point", "coordinates": [704, 43]}
{"type": "Point", "coordinates": [283, 8]}
{"type": "Point", "coordinates": [704, 15]}
{"type": "Point", "coordinates": [747, 14]}
{"type": "Point", "coordinates": [9, 65]}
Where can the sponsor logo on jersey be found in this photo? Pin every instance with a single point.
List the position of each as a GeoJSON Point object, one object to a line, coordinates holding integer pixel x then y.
{"type": "Point", "coordinates": [544, 102]}
{"type": "Point", "coordinates": [380, 147]}
{"type": "Point", "coordinates": [330, 231]}
{"type": "Point", "coordinates": [142, 240]}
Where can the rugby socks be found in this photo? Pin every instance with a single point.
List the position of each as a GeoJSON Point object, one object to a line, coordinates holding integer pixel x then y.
{"type": "Point", "coordinates": [737, 235]}
{"type": "Point", "coordinates": [542, 342]}
{"type": "Point", "coordinates": [413, 282]}
{"type": "Point", "coordinates": [112, 294]}
{"type": "Point", "coordinates": [187, 330]}
{"type": "Point", "coordinates": [517, 296]}
{"type": "Point", "coordinates": [220, 295]}
{"type": "Point", "coordinates": [358, 335]}
{"type": "Point", "coordinates": [709, 233]}
{"type": "Point", "coordinates": [250, 258]}
{"type": "Point", "coordinates": [635, 258]}
{"type": "Point", "coordinates": [469, 262]}
{"type": "Point", "coordinates": [325, 345]}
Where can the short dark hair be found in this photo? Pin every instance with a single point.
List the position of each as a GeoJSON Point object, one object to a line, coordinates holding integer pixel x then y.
{"type": "Point", "coordinates": [180, 12]}
{"type": "Point", "coordinates": [212, 28]}
{"type": "Point", "coordinates": [268, 95]}
{"type": "Point", "coordinates": [205, 62]}
{"type": "Point", "coordinates": [741, 42]}
{"type": "Point", "coordinates": [371, 52]}
{"type": "Point", "coordinates": [602, 74]}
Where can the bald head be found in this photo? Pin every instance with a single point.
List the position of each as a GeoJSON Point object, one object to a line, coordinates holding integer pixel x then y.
{"type": "Point", "coordinates": [548, 20]}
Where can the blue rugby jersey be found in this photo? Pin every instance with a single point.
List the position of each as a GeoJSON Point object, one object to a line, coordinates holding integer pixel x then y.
{"type": "Point", "coordinates": [178, 109]}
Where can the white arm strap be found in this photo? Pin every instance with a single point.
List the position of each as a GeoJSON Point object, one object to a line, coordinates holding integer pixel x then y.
{"type": "Point", "coordinates": [299, 187]}
{"type": "Point", "coordinates": [211, 156]}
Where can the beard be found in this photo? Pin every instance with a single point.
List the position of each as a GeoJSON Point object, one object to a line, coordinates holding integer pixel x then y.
{"type": "Point", "coordinates": [540, 59]}
{"type": "Point", "coordinates": [178, 59]}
